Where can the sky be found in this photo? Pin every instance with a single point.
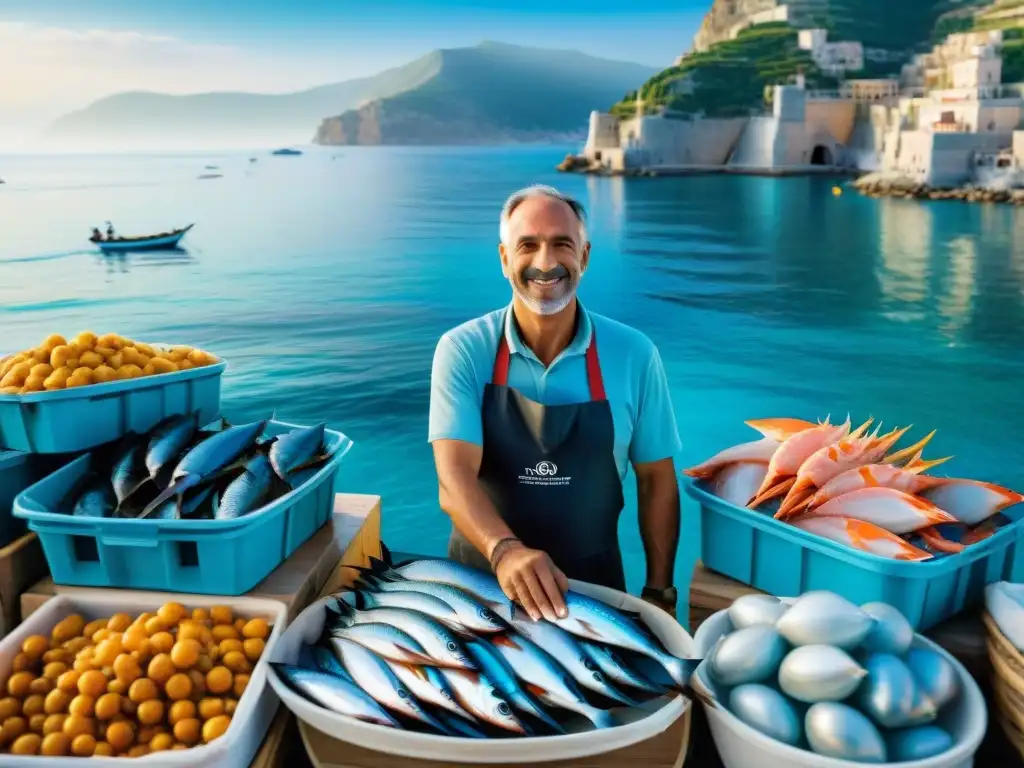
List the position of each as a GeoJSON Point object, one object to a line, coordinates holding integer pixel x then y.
{"type": "Point", "coordinates": [59, 55]}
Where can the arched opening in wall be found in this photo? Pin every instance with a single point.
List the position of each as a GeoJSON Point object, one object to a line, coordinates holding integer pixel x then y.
{"type": "Point", "coordinates": [821, 155]}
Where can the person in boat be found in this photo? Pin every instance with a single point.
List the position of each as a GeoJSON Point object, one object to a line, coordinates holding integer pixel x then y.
{"type": "Point", "coordinates": [110, 231]}
{"type": "Point", "coordinates": [533, 429]}
{"type": "Point", "coordinates": [96, 234]}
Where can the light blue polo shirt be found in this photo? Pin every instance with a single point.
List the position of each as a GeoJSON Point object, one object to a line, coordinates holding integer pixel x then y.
{"type": "Point", "coordinates": [634, 381]}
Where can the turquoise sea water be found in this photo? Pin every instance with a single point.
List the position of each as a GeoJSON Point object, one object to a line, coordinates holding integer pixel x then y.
{"type": "Point", "coordinates": [326, 279]}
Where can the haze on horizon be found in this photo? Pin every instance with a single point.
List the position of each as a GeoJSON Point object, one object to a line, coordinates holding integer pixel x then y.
{"type": "Point", "coordinates": [59, 56]}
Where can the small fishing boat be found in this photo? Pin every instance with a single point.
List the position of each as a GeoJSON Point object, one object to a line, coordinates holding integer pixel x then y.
{"type": "Point", "coordinates": [286, 152]}
{"type": "Point", "coordinates": [162, 241]}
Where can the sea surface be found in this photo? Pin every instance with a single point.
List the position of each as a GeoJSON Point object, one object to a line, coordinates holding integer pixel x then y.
{"type": "Point", "coordinates": [326, 280]}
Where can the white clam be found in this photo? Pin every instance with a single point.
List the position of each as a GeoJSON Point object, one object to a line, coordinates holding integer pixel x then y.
{"type": "Point", "coordinates": [935, 675]}
{"type": "Point", "coordinates": [889, 692]}
{"type": "Point", "coordinates": [814, 673]}
{"type": "Point", "coordinates": [836, 730]}
{"type": "Point", "coordinates": [891, 632]}
{"type": "Point", "coordinates": [754, 610]}
{"type": "Point", "coordinates": [918, 743]}
{"type": "Point", "coordinates": [749, 655]}
{"type": "Point", "coordinates": [825, 618]}
{"type": "Point", "coordinates": [766, 710]}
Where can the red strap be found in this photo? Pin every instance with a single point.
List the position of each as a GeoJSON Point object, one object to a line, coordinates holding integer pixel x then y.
{"type": "Point", "coordinates": [594, 378]}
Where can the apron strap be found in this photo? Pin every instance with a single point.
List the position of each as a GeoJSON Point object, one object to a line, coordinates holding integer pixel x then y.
{"type": "Point", "coordinates": [594, 378]}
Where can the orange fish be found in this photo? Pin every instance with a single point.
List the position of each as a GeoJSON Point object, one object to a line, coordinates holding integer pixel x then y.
{"type": "Point", "coordinates": [833, 460]}
{"type": "Point", "coordinates": [936, 541]}
{"type": "Point", "coordinates": [971, 501]}
{"type": "Point", "coordinates": [757, 450]}
{"type": "Point", "coordinates": [735, 482]}
{"type": "Point", "coordinates": [906, 479]}
{"type": "Point", "coordinates": [780, 429]}
{"type": "Point", "coordinates": [795, 450]}
{"type": "Point", "coordinates": [862, 536]}
{"type": "Point", "coordinates": [895, 511]}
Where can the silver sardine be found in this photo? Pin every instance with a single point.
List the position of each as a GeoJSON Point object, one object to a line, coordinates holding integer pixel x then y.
{"type": "Point", "coordinates": [96, 501]}
{"type": "Point", "coordinates": [386, 641]}
{"type": "Point", "coordinates": [479, 697]}
{"type": "Point", "coordinates": [335, 694]}
{"type": "Point", "coordinates": [498, 671]}
{"type": "Point", "coordinates": [292, 449]}
{"type": "Point", "coordinates": [428, 685]}
{"type": "Point", "coordinates": [168, 440]}
{"type": "Point", "coordinates": [432, 606]}
{"type": "Point", "coordinates": [129, 472]}
{"type": "Point", "coordinates": [471, 612]}
{"type": "Point", "coordinates": [616, 670]}
{"type": "Point", "coordinates": [247, 491]}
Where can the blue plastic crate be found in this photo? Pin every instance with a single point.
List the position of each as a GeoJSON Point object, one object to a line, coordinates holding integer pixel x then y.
{"type": "Point", "coordinates": [17, 472]}
{"type": "Point", "coordinates": [776, 557]}
{"type": "Point", "coordinates": [79, 419]}
{"type": "Point", "coordinates": [210, 557]}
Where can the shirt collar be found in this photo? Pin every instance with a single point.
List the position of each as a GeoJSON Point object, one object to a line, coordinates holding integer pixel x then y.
{"type": "Point", "coordinates": [578, 345]}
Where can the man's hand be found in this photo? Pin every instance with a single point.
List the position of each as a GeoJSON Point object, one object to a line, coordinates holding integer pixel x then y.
{"type": "Point", "coordinates": [529, 577]}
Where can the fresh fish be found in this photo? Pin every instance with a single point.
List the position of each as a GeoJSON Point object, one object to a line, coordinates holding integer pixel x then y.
{"type": "Point", "coordinates": [825, 618]}
{"type": "Point", "coordinates": [247, 491]}
{"type": "Point", "coordinates": [429, 686]}
{"type": "Point", "coordinates": [895, 511]}
{"type": "Point", "coordinates": [481, 584]}
{"type": "Point", "coordinates": [907, 479]}
{"type": "Point", "coordinates": [208, 458]}
{"type": "Point", "coordinates": [386, 641]}
{"type": "Point", "coordinates": [616, 670]}
{"type": "Point", "coordinates": [750, 655]}
{"type": "Point", "coordinates": [891, 632]}
{"type": "Point", "coordinates": [590, 619]}
{"type": "Point", "coordinates": [459, 726]}
{"type": "Point", "coordinates": [757, 450]}
{"type": "Point", "coordinates": [472, 614]}
{"type": "Point", "coordinates": [439, 643]}
{"type": "Point", "coordinates": [432, 606]}
{"type": "Point", "coordinates": [479, 697]}
{"type": "Point", "coordinates": [564, 648]}
{"type": "Point", "coordinates": [737, 483]}
{"type": "Point", "coordinates": [796, 449]}
{"type": "Point", "coordinates": [1007, 610]}
{"type": "Point", "coordinates": [129, 472]}
{"type": "Point", "coordinates": [335, 694]}
{"type": "Point", "coordinates": [814, 673]}
{"type": "Point", "coordinates": [832, 460]}
{"type": "Point", "coordinates": [170, 510]}
{"type": "Point", "coordinates": [168, 440]}
{"type": "Point", "coordinates": [862, 536]}
{"type": "Point", "coordinates": [372, 674]}
{"type": "Point", "coordinates": [972, 501]}
{"type": "Point", "coordinates": [766, 710]}
{"type": "Point", "coordinates": [545, 679]}
{"type": "Point", "coordinates": [889, 692]}
{"type": "Point", "coordinates": [754, 610]}
{"type": "Point", "coordinates": [326, 661]}
{"type": "Point", "coordinates": [290, 451]}
{"type": "Point", "coordinates": [918, 743]}
{"type": "Point", "coordinates": [498, 671]}
{"type": "Point", "coordinates": [936, 676]}
{"type": "Point", "coordinates": [97, 500]}
{"type": "Point", "coordinates": [780, 429]}
{"type": "Point", "coordinates": [836, 730]}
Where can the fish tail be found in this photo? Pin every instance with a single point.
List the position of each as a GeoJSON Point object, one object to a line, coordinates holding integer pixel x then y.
{"type": "Point", "coordinates": [680, 670]}
{"type": "Point", "coordinates": [601, 718]}
{"type": "Point", "coordinates": [802, 489]}
{"type": "Point", "coordinates": [910, 451]}
{"type": "Point", "coordinates": [178, 488]}
{"type": "Point", "coordinates": [770, 493]}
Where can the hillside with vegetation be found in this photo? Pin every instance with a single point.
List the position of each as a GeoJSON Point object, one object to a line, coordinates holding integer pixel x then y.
{"type": "Point", "coordinates": [986, 15]}
{"type": "Point", "coordinates": [733, 77]}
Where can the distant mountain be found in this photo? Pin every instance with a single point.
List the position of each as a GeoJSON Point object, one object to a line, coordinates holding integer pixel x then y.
{"type": "Point", "coordinates": [141, 120]}
{"type": "Point", "coordinates": [488, 94]}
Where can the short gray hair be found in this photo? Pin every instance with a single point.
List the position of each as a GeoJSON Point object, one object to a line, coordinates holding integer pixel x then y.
{"type": "Point", "coordinates": [540, 190]}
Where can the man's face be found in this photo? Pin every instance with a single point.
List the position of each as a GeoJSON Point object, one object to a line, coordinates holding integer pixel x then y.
{"type": "Point", "coordinates": [544, 257]}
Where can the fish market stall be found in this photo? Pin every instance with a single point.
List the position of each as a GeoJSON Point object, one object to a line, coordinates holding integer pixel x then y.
{"type": "Point", "coordinates": [468, 680]}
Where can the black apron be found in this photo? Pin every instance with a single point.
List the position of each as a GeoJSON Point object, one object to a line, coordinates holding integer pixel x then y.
{"type": "Point", "coordinates": [550, 472]}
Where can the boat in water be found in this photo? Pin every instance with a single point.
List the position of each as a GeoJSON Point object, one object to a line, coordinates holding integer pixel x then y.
{"type": "Point", "coordinates": [165, 240]}
{"type": "Point", "coordinates": [286, 152]}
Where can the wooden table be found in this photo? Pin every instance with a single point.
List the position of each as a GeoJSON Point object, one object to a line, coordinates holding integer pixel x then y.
{"type": "Point", "coordinates": [963, 636]}
{"type": "Point", "coordinates": [350, 537]}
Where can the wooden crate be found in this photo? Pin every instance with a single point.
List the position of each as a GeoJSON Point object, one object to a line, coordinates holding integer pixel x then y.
{"type": "Point", "coordinates": [666, 750]}
{"type": "Point", "coordinates": [22, 564]}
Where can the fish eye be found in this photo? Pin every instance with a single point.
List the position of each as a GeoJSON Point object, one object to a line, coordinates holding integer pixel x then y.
{"type": "Point", "coordinates": [486, 614]}
{"type": "Point", "coordinates": [452, 646]}
{"type": "Point", "coordinates": [503, 709]}
{"type": "Point", "coordinates": [589, 664]}
{"type": "Point", "coordinates": [402, 693]}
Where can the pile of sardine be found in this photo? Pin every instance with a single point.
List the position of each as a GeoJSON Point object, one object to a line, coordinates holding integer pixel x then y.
{"type": "Point", "coordinates": [181, 471]}
{"type": "Point", "coordinates": [436, 646]}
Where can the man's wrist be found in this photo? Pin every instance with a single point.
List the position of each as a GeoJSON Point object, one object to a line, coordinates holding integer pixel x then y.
{"type": "Point", "coordinates": [501, 547]}
{"type": "Point", "coordinates": [666, 595]}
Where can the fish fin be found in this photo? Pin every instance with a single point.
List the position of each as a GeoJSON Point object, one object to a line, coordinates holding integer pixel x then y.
{"type": "Point", "coordinates": [918, 465]}
{"type": "Point", "coordinates": [779, 429]}
{"type": "Point", "coordinates": [860, 430]}
{"type": "Point", "coordinates": [800, 491]}
{"type": "Point", "coordinates": [228, 470]}
{"type": "Point", "coordinates": [385, 555]}
{"type": "Point", "coordinates": [505, 640]}
{"type": "Point", "coordinates": [594, 634]}
{"type": "Point", "coordinates": [171, 490]}
{"type": "Point", "coordinates": [937, 542]}
{"type": "Point", "coordinates": [320, 458]}
{"type": "Point", "coordinates": [770, 493]}
{"type": "Point", "coordinates": [536, 690]}
{"type": "Point", "coordinates": [134, 489]}
{"type": "Point", "coordinates": [910, 451]}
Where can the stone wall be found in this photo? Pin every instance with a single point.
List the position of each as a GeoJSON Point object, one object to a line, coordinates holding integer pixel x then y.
{"type": "Point", "coordinates": [671, 142]}
{"type": "Point", "coordinates": [953, 154]}
{"type": "Point", "coordinates": [603, 132]}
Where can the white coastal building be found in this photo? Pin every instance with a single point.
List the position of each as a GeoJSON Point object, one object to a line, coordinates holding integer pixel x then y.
{"type": "Point", "coordinates": [947, 115]}
{"type": "Point", "coordinates": [834, 59]}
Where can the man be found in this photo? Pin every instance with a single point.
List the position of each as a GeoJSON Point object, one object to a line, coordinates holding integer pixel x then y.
{"type": "Point", "coordinates": [532, 429]}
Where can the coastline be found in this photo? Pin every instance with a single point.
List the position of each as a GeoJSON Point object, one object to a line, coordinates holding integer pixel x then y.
{"type": "Point", "coordinates": [903, 187]}
{"type": "Point", "coordinates": [579, 164]}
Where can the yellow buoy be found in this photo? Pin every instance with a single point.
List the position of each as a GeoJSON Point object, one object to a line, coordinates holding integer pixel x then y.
{"type": "Point", "coordinates": [837, 191]}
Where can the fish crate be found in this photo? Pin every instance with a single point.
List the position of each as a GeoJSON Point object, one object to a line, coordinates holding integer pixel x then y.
{"type": "Point", "coordinates": [780, 559]}
{"type": "Point", "coordinates": [17, 472]}
{"type": "Point", "coordinates": [81, 418]}
{"type": "Point", "coordinates": [256, 708]}
{"type": "Point", "coordinates": [208, 557]}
